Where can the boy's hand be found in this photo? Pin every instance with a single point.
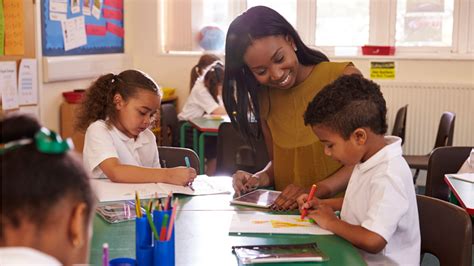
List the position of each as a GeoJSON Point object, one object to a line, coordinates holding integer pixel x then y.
{"type": "Point", "coordinates": [287, 199]}
{"type": "Point", "coordinates": [323, 216]}
{"type": "Point", "coordinates": [181, 175]}
{"type": "Point", "coordinates": [244, 182]}
{"type": "Point", "coordinates": [303, 202]}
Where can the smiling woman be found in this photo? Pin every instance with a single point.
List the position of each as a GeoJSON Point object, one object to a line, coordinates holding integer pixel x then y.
{"type": "Point", "coordinates": [272, 74]}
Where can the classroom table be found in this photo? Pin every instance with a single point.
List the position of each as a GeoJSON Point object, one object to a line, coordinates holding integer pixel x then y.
{"type": "Point", "coordinates": [202, 127]}
{"type": "Point", "coordinates": [463, 191]}
{"type": "Point", "coordinates": [202, 235]}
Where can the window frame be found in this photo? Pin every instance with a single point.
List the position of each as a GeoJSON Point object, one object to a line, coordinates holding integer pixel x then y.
{"type": "Point", "coordinates": [381, 29]}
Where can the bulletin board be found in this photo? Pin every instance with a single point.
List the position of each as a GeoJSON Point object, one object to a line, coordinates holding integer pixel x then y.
{"type": "Point", "coordinates": [80, 27]}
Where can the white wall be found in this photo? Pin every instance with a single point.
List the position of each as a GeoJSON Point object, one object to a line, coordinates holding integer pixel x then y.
{"type": "Point", "coordinates": [142, 43]}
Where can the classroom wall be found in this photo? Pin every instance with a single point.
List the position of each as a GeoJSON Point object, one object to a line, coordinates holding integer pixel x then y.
{"type": "Point", "coordinates": [142, 42]}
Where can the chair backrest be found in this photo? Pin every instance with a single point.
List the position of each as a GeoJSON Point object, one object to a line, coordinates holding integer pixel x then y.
{"type": "Point", "coordinates": [446, 231]}
{"type": "Point", "coordinates": [443, 160]}
{"type": "Point", "coordinates": [444, 137]}
{"type": "Point", "coordinates": [174, 156]}
{"type": "Point", "coordinates": [169, 125]}
{"type": "Point", "coordinates": [399, 126]}
{"type": "Point", "coordinates": [234, 153]}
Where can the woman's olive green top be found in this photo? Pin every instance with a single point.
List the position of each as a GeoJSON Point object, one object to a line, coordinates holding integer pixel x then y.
{"type": "Point", "coordinates": [298, 155]}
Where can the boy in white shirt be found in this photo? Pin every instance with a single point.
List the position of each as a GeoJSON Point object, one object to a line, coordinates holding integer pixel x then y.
{"type": "Point", "coordinates": [379, 213]}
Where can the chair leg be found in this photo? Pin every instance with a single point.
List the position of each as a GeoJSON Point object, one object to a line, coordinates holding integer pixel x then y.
{"type": "Point", "coordinates": [415, 176]}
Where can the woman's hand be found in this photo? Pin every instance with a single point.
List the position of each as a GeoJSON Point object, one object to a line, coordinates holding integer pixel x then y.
{"type": "Point", "coordinates": [181, 175]}
{"type": "Point", "coordinates": [287, 199]}
{"type": "Point", "coordinates": [244, 182]}
{"type": "Point", "coordinates": [323, 216]}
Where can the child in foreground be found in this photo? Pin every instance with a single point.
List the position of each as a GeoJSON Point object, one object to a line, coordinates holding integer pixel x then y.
{"type": "Point", "coordinates": [47, 201]}
{"type": "Point", "coordinates": [117, 111]}
{"type": "Point", "coordinates": [379, 212]}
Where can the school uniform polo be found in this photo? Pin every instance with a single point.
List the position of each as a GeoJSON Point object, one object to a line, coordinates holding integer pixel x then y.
{"type": "Point", "coordinates": [25, 256]}
{"type": "Point", "coordinates": [199, 102]}
{"type": "Point", "coordinates": [381, 197]}
{"type": "Point", "coordinates": [103, 142]}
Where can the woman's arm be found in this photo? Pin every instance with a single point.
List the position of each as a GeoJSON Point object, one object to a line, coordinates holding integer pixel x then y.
{"type": "Point", "coordinates": [123, 173]}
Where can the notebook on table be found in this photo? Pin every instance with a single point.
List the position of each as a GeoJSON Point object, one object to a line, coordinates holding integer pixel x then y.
{"type": "Point", "coordinates": [253, 254]}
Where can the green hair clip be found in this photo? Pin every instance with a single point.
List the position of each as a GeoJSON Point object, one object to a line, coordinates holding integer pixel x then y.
{"type": "Point", "coordinates": [47, 141]}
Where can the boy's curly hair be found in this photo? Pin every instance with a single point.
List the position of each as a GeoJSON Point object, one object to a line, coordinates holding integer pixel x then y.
{"type": "Point", "coordinates": [348, 103]}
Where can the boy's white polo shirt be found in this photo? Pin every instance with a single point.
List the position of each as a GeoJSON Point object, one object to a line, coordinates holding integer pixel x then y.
{"type": "Point", "coordinates": [102, 142]}
{"type": "Point", "coordinates": [381, 198]}
{"type": "Point", "coordinates": [198, 103]}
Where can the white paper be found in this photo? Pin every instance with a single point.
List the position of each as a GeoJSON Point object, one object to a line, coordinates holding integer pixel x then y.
{"type": "Point", "coordinates": [57, 16]}
{"type": "Point", "coordinates": [97, 8]}
{"type": "Point", "coordinates": [8, 85]}
{"type": "Point", "coordinates": [58, 6]}
{"type": "Point", "coordinates": [30, 109]}
{"type": "Point", "coordinates": [275, 224]}
{"type": "Point", "coordinates": [74, 33]}
{"type": "Point", "coordinates": [469, 177]}
{"type": "Point", "coordinates": [75, 7]}
{"type": "Point", "coordinates": [86, 7]}
{"type": "Point", "coordinates": [27, 82]}
{"type": "Point", "coordinates": [110, 191]}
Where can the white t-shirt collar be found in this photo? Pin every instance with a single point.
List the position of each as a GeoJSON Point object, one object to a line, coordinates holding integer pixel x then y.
{"type": "Point", "coordinates": [392, 149]}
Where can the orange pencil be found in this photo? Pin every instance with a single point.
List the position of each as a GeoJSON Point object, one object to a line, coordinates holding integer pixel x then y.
{"type": "Point", "coordinates": [310, 197]}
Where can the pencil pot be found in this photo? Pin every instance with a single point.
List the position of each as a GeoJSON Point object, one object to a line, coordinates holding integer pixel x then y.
{"type": "Point", "coordinates": [163, 254]}
{"type": "Point", "coordinates": [143, 242]}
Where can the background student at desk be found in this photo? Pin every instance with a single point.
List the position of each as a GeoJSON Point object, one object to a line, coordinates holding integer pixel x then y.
{"type": "Point", "coordinates": [117, 111]}
{"type": "Point", "coordinates": [206, 98]}
{"type": "Point", "coordinates": [47, 201]}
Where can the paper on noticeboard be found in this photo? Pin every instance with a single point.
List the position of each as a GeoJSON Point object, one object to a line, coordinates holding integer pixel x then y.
{"type": "Point", "coordinates": [8, 85]}
{"type": "Point", "coordinates": [27, 82]}
{"type": "Point", "coordinates": [74, 33]}
{"type": "Point", "coordinates": [13, 12]}
{"type": "Point", "coordinates": [2, 29]}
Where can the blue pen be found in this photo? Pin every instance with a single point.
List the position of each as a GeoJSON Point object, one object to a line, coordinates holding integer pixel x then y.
{"type": "Point", "coordinates": [186, 160]}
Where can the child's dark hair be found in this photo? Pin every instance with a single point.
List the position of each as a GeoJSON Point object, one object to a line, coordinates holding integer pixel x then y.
{"type": "Point", "coordinates": [213, 78]}
{"type": "Point", "coordinates": [98, 102]}
{"type": "Point", "coordinates": [348, 103]}
{"type": "Point", "coordinates": [240, 93]}
{"type": "Point", "coordinates": [34, 182]}
{"type": "Point", "coordinates": [204, 61]}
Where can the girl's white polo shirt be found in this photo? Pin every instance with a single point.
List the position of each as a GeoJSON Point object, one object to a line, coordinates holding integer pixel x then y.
{"type": "Point", "coordinates": [198, 103]}
{"type": "Point", "coordinates": [102, 142]}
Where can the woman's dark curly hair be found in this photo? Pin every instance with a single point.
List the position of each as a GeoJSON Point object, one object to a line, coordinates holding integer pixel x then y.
{"type": "Point", "coordinates": [98, 102]}
{"type": "Point", "coordinates": [240, 92]}
{"type": "Point", "coordinates": [348, 103]}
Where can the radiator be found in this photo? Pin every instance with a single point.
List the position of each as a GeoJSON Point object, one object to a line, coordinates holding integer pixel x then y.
{"type": "Point", "coordinates": [426, 102]}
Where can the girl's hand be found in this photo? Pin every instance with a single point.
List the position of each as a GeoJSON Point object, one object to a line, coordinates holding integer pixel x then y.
{"type": "Point", "coordinates": [323, 216]}
{"type": "Point", "coordinates": [287, 199]}
{"type": "Point", "coordinates": [244, 182]}
{"type": "Point", "coordinates": [181, 175]}
{"type": "Point", "coordinates": [303, 202]}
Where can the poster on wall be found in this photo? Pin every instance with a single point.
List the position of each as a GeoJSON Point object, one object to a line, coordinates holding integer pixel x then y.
{"type": "Point", "coordinates": [80, 27]}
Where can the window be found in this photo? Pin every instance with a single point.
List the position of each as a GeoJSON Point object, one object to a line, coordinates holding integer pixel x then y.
{"type": "Point", "coordinates": [414, 26]}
